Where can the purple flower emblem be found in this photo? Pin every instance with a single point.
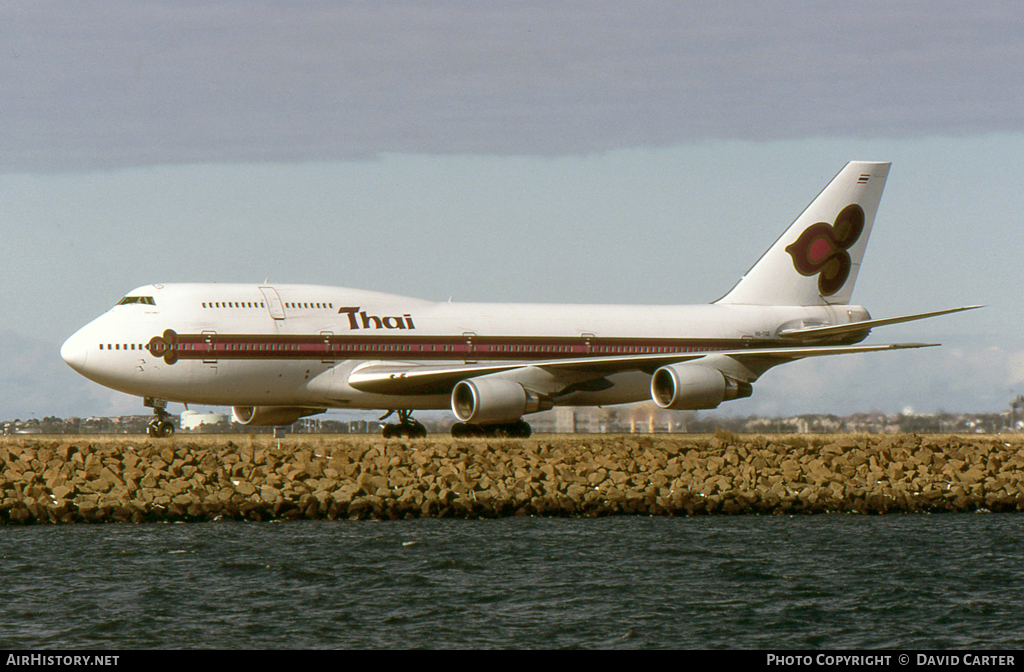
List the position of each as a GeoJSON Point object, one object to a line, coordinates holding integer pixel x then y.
{"type": "Point", "coordinates": [822, 249]}
{"type": "Point", "coordinates": [164, 346]}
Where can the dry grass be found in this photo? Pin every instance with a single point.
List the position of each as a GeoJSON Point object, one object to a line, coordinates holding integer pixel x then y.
{"type": "Point", "coordinates": [357, 440]}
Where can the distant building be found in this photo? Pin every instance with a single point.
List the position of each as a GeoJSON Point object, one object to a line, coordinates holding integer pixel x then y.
{"type": "Point", "coordinates": [565, 420]}
{"type": "Point", "coordinates": [193, 421]}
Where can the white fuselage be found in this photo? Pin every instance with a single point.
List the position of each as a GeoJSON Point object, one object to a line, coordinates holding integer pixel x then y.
{"type": "Point", "coordinates": [296, 345]}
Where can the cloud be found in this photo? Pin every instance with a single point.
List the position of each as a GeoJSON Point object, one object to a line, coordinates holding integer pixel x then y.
{"type": "Point", "coordinates": [118, 83]}
{"type": "Point", "coordinates": [1015, 368]}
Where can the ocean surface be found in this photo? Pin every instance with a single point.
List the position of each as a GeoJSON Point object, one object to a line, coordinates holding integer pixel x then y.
{"type": "Point", "coordinates": [745, 582]}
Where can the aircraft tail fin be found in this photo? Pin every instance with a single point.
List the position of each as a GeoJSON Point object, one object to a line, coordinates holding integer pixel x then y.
{"type": "Point", "coordinates": [816, 260]}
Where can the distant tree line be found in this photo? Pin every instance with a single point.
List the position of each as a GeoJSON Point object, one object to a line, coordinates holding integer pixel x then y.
{"type": "Point", "coordinates": [692, 423]}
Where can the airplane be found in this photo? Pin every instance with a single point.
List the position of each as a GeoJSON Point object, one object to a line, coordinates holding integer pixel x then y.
{"type": "Point", "coordinates": [277, 353]}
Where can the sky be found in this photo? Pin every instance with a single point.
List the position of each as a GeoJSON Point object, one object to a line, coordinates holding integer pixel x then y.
{"type": "Point", "coordinates": [596, 152]}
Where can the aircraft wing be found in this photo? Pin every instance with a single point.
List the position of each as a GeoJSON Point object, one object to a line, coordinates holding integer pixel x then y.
{"type": "Point", "coordinates": [412, 379]}
{"type": "Point", "coordinates": [865, 325]}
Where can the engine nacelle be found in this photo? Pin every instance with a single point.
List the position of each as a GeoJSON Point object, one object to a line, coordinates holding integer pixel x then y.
{"type": "Point", "coordinates": [271, 416]}
{"type": "Point", "coordinates": [492, 400]}
{"type": "Point", "coordinates": [692, 386]}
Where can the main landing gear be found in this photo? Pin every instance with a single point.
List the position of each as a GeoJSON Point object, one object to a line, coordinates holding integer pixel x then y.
{"type": "Point", "coordinates": [161, 424]}
{"type": "Point", "coordinates": [520, 429]}
{"type": "Point", "coordinates": [406, 427]}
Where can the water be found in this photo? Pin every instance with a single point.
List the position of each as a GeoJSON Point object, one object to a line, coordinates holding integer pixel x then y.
{"type": "Point", "coordinates": [766, 582]}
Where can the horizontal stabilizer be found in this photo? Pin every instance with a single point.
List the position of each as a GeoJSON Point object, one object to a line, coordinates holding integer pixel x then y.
{"type": "Point", "coordinates": [864, 325]}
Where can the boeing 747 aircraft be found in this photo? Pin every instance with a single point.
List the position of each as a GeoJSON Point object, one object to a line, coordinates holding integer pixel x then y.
{"type": "Point", "coordinates": [276, 353]}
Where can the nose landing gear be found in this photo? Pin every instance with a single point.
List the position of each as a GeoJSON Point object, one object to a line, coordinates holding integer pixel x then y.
{"type": "Point", "coordinates": [160, 425]}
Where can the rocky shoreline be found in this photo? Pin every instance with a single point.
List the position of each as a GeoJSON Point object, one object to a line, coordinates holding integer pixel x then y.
{"type": "Point", "coordinates": [137, 479]}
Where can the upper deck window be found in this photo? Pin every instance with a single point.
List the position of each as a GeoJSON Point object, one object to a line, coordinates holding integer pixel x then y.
{"type": "Point", "coordinates": [148, 300]}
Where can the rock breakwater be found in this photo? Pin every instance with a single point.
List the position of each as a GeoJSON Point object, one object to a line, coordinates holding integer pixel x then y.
{"type": "Point", "coordinates": [213, 478]}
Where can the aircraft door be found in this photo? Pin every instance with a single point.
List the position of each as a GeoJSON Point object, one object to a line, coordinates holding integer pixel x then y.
{"type": "Point", "coordinates": [588, 342]}
{"type": "Point", "coordinates": [328, 356]}
{"type": "Point", "coordinates": [470, 348]}
{"type": "Point", "coordinates": [274, 304]}
{"type": "Point", "coordinates": [210, 348]}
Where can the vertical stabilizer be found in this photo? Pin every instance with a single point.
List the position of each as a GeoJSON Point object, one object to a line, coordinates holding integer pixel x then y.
{"type": "Point", "coordinates": [815, 262]}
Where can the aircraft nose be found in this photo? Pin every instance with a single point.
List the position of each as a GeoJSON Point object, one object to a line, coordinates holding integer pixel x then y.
{"type": "Point", "coordinates": [75, 352]}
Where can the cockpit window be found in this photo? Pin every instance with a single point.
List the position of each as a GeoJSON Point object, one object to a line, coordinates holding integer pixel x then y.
{"type": "Point", "coordinates": [148, 300]}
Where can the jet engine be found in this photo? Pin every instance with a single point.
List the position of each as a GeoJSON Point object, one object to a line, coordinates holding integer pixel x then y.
{"type": "Point", "coordinates": [484, 401]}
{"type": "Point", "coordinates": [692, 386]}
{"type": "Point", "coordinates": [271, 416]}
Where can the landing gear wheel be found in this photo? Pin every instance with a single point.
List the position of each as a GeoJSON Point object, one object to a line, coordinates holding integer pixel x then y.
{"type": "Point", "coordinates": [160, 428]}
{"type": "Point", "coordinates": [417, 430]}
{"type": "Point", "coordinates": [520, 429]}
{"type": "Point", "coordinates": [463, 430]}
{"type": "Point", "coordinates": [406, 427]}
{"type": "Point", "coordinates": [161, 424]}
